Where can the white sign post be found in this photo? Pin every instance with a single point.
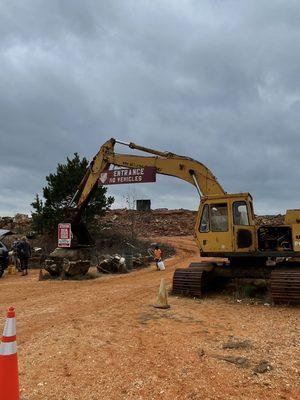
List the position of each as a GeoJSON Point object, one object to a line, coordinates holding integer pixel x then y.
{"type": "Point", "coordinates": [64, 235]}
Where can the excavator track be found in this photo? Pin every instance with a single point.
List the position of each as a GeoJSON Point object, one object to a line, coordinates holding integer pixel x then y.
{"type": "Point", "coordinates": [192, 281]}
{"type": "Point", "coordinates": [285, 286]}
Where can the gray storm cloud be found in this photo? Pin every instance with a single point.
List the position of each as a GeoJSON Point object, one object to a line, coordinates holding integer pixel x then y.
{"type": "Point", "coordinates": [215, 80]}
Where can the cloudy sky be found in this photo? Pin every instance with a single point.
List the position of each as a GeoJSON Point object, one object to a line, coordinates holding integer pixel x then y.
{"type": "Point", "coordinates": [216, 80]}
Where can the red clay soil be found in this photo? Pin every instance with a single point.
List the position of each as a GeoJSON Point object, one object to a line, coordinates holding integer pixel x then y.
{"type": "Point", "coordinates": [102, 339]}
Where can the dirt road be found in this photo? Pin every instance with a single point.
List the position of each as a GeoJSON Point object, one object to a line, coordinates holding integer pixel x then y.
{"type": "Point", "coordinates": [102, 339]}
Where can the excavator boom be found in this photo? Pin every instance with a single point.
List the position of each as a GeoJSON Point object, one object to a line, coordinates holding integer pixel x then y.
{"type": "Point", "coordinates": [166, 163]}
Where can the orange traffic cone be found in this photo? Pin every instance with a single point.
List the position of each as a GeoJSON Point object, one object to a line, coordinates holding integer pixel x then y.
{"type": "Point", "coordinates": [162, 298]}
{"type": "Point", "coordinates": [9, 376]}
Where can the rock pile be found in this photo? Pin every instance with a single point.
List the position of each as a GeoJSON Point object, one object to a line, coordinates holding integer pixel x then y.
{"type": "Point", "coordinates": [67, 262]}
{"type": "Point", "coordinates": [19, 224]}
{"type": "Point", "coordinates": [117, 264]}
{"type": "Point", "coordinates": [269, 219]}
{"type": "Point", "coordinates": [150, 223]}
{"type": "Point", "coordinates": [112, 264]}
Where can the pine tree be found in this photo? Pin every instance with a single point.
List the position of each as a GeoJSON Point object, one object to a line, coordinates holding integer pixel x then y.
{"type": "Point", "coordinates": [37, 217]}
{"type": "Point", "coordinates": [58, 193]}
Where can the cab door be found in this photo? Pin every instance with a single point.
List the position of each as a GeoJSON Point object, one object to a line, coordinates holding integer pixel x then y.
{"type": "Point", "coordinates": [214, 233]}
{"type": "Point", "coordinates": [244, 233]}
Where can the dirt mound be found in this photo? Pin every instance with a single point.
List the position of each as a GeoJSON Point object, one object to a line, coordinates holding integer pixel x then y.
{"type": "Point", "coordinates": [269, 219]}
{"type": "Point", "coordinates": [149, 223]}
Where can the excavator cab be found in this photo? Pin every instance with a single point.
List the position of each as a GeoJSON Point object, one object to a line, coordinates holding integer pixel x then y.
{"type": "Point", "coordinates": [225, 225]}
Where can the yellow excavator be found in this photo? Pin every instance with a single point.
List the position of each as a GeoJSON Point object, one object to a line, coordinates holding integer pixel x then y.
{"type": "Point", "coordinates": [224, 227]}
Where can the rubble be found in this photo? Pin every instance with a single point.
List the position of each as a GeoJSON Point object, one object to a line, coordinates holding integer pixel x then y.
{"type": "Point", "coordinates": [149, 223]}
{"type": "Point", "coordinates": [262, 367]}
{"type": "Point", "coordinates": [269, 219]}
{"type": "Point", "coordinates": [67, 262]}
{"type": "Point", "coordinates": [21, 219]}
{"type": "Point", "coordinates": [119, 264]}
{"type": "Point", "coordinates": [20, 223]}
{"type": "Point", "coordinates": [112, 264]}
{"type": "Point", "coordinates": [242, 362]}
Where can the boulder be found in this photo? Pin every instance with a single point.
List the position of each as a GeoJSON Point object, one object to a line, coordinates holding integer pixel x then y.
{"type": "Point", "coordinates": [68, 262]}
{"type": "Point", "coordinates": [112, 264]}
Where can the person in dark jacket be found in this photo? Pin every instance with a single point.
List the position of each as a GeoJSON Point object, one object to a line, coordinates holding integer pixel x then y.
{"type": "Point", "coordinates": [15, 257]}
{"type": "Point", "coordinates": [24, 253]}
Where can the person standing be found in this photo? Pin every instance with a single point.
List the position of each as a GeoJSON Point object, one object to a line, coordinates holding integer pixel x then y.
{"type": "Point", "coordinates": [16, 260]}
{"type": "Point", "coordinates": [157, 256]}
{"type": "Point", "coordinates": [24, 253]}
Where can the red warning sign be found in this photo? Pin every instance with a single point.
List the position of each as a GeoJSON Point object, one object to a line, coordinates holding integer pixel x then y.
{"type": "Point", "coordinates": [64, 235]}
{"type": "Point", "coordinates": [128, 175]}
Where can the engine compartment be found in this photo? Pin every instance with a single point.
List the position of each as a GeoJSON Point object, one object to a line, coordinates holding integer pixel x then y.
{"type": "Point", "coordinates": [276, 238]}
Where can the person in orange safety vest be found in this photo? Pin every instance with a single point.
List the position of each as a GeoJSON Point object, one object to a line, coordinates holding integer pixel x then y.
{"type": "Point", "coordinates": [157, 256]}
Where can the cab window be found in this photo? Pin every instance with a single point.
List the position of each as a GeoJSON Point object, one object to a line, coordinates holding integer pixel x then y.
{"type": "Point", "coordinates": [240, 213]}
{"type": "Point", "coordinates": [204, 224]}
{"type": "Point", "coordinates": [219, 217]}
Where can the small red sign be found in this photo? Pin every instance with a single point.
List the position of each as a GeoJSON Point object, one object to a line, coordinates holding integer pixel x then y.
{"type": "Point", "coordinates": [128, 175]}
{"type": "Point", "coordinates": [64, 235]}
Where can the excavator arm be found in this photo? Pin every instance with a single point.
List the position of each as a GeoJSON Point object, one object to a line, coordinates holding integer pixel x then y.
{"type": "Point", "coordinates": [181, 167]}
{"type": "Point", "coordinates": [166, 163]}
